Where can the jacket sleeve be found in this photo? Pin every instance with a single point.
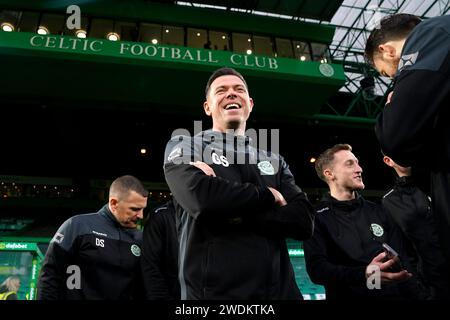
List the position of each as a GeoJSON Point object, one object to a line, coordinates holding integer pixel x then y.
{"type": "Point", "coordinates": [52, 280]}
{"type": "Point", "coordinates": [324, 272]}
{"type": "Point", "coordinates": [411, 210]}
{"type": "Point", "coordinates": [294, 220]}
{"type": "Point", "coordinates": [152, 259]}
{"type": "Point", "coordinates": [200, 194]}
{"type": "Point", "coordinates": [411, 288]}
{"type": "Point", "coordinates": [421, 90]}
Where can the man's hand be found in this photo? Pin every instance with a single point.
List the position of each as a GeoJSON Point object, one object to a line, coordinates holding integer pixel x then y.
{"type": "Point", "coordinates": [279, 199]}
{"type": "Point", "coordinates": [389, 97]}
{"type": "Point", "coordinates": [204, 167]}
{"type": "Point", "coordinates": [387, 276]}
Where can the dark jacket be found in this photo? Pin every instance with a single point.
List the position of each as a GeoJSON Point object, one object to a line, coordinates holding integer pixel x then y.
{"type": "Point", "coordinates": [414, 128]}
{"type": "Point", "coordinates": [232, 235]}
{"type": "Point", "coordinates": [107, 256]}
{"type": "Point", "coordinates": [410, 208]}
{"type": "Point", "coordinates": [159, 261]}
{"type": "Point", "coordinates": [347, 236]}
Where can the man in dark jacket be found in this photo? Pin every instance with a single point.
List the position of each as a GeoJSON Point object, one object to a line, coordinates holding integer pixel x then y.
{"type": "Point", "coordinates": [238, 204]}
{"type": "Point", "coordinates": [346, 247]}
{"type": "Point", "coordinates": [96, 256]}
{"type": "Point", "coordinates": [410, 208]}
{"type": "Point", "coordinates": [413, 127]}
{"type": "Point", "coordinates": [159, 261]}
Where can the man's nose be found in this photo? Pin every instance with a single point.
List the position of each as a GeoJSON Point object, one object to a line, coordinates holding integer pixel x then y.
{"type": "Point", "coordinates": [231, 94]}
{"type": "Point", "coordinates": [141, 214]}
{"type": "Point", "coordinates": [358, 168]}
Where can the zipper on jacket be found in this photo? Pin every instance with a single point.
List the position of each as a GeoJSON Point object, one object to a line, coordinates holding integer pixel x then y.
{"type": "Point", "coordinates": [120, 251]}
{"type": "Point", "coordinates": [205, 276]}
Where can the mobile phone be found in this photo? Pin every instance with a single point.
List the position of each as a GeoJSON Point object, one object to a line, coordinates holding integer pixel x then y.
{"type": "Point", "coordinates": [392, 254]}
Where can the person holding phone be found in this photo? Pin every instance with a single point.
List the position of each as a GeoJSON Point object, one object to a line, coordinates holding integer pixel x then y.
{"type": "Point", "coordinates": [346, 248]}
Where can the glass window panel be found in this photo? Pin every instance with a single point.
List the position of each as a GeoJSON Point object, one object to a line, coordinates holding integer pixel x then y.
{"type": "Point", "coordinates": [127, 30]}
{"type": "Point", "coordinates": [302, 50]}
{"type": "Point", "coordinates": [29, 22]}
{"type": "Point", "coordinates": [150, 33]}
{"type": "Point", "coordinates": [100, 28]}
{"type": "Point", "coordinates": [320, 51]}
{"type": "Point", "coordinates": [197, 38]}
{"type": "Point", "coordinates": [11, 17]}
{"type": "Point", "coordinates": [263, 46]}
{"type": "Point", "coordinates": [284, 48]}
{"type": "Point", "coordinates": [173, 36]}
{"type": "Point", "coordinates": [242, 42]}
{"type": "Point", "coordinates": [55, 23]}
{"type": "Point", "coordinates": [219, 40]}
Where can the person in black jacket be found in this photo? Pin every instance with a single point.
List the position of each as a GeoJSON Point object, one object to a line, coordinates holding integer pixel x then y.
{"type": "Point", "coordinates": [413, 127]}
{"type": "Point", "coordinates": [159, 261]}
{"type": "Point", "coordinates": [410, 208]}
{"type": "Point", "coordinates": [96, 256]}
{"type": "Point", "coordinates": [237, 204]}
{"type": "Point", "coordinates": [346, 247]}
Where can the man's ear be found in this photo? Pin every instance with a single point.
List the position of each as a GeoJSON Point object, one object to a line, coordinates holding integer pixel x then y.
{"type": "Point", "coordinates": [206, 108]}
{"type": "Point", "coordinates": [251, 104]}
{"type": "Point", "coordinates": [388, 161]}
{"type": "Point", "coordinates": [328, 174]}
{"type": "Point", "coordinates": [387, 51]}
{"type": "Point", "coordinates": [113, 204]}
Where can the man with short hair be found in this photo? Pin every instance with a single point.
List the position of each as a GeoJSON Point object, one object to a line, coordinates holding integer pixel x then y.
{"type": "Point", "coordinates": [96, 256]}
{"type": "Point", "coordinates": [413, 128]}
{"type": "Point", "coordinates": [236, 204]}
{"type": "Point", "coordinates": [346, 247]}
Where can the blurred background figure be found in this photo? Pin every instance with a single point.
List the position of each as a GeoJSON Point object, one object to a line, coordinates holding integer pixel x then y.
{"type": "Point", "coordinates": [9, 288]}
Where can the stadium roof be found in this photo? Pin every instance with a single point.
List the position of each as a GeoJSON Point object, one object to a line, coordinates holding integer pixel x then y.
{"type": "Point", "coordinates": [353, 19]}
{"type": "Point", "coordinates": [356, 18]}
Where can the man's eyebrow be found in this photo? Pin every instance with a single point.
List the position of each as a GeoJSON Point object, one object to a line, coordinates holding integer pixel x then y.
{"type": "Point", "coordinates": [219, 87]}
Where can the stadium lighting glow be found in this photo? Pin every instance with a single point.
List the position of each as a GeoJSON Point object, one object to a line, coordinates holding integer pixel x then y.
{"type": "Point", "coordinates": [8, 27]}
{"type": "Point", "coordinates": [43, 30]}
{"type": "Point", "coordinates": [81, 34]}
{"type": "Point", "coordinates": [112, 36]}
